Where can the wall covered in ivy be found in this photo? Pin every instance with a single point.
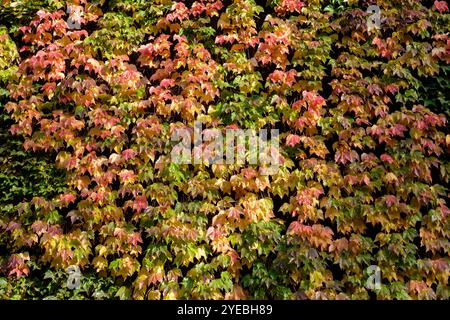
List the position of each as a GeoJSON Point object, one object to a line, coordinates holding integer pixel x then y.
{"type": "Point", "coordinates": [91, 93]}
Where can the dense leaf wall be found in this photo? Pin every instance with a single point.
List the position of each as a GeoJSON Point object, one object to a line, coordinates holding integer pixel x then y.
{"type": "Point", "coordinates": [363, 120]}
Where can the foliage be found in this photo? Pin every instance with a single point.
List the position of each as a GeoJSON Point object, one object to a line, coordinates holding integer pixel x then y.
{"type": "Point", "coordinates": [365, 147]}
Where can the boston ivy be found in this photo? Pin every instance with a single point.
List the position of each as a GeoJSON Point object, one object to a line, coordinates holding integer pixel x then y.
{"type": "Point", "coordinates": [86, 175]}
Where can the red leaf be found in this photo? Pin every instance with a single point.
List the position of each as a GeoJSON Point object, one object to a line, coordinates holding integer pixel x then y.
{"type": "Point", "coordinates": [441, 6]}
{"type": "Point", "coordinates": [386, 158]}
{"type": "Point", "coordinates": [292, 140]}
{"type": "Point", "coordinates": [140, 203]}
{"type": "Point", "coordinates": [391, 200]}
